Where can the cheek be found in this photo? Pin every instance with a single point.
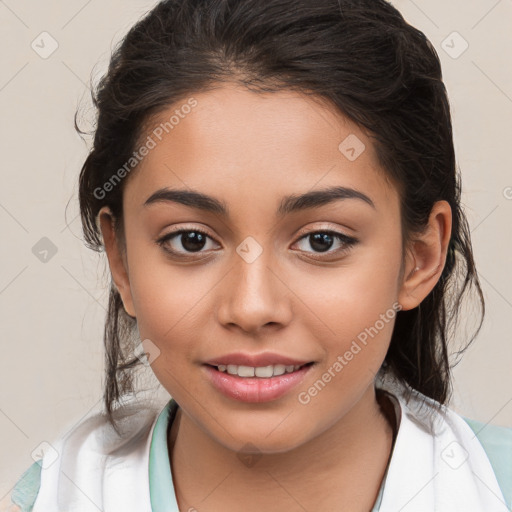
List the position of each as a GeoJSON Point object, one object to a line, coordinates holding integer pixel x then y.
{"type": "Point", "coordinates": [171, 304]}
{"type": "Point", "coordinates": [350, 298]}
{"type": "Point", "coordinates": [166, 301]}
{"type": "Point", "coordinates": [354, 310]}
{"type": "Point", "coordinates": [167, 307]}
{"type": "Point", "coordinates": [162, 293]}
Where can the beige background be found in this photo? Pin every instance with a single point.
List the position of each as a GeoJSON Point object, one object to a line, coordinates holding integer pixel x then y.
{"type": "Point", "coordinates": [52, 313]}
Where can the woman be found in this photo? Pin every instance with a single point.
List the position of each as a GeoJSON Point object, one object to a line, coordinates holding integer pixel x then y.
{"type": "Point", "coordinates": [274, 185]}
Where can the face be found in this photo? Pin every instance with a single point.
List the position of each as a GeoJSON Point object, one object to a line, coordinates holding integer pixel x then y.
{"type": "Point", "coordinates": [312, 281]}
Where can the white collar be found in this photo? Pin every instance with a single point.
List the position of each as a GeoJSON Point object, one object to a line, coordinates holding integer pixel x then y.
{"type": "Point", "coordinates": [437, 463]}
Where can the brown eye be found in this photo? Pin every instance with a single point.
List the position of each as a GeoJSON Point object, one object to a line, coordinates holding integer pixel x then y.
{"type": "Point", "coordinates": [185, 241]}
{"type": "Point", "coordinates": [323, 241]}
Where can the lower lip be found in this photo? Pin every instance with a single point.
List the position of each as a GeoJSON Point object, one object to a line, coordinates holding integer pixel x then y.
{"type": "Point", "coordinates": [255, 389]}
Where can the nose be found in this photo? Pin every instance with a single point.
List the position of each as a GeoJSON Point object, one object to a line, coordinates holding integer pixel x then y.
{"type": "Point", "coordinates": [255, 295]}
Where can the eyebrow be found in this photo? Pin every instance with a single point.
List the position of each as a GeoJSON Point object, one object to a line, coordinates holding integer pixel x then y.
{"type": "Point", "coordinates": [289, 204]}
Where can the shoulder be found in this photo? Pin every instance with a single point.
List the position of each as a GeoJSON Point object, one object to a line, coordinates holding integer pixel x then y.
{"type": "Point", "coordinates": [24, 493]}
{"type": "Point", "coordinates": [495, 440]}
{"type": "Point", "coordinates": [497, 443]}
{"type": "Point", "coordinates": [93, 435]}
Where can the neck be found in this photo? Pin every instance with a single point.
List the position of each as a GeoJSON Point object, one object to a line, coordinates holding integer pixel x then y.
{"type": "Point", "coordinates": [350, 457]}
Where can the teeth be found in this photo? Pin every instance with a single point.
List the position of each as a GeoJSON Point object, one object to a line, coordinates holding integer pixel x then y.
{"type": "Point", "coordinates": [260, 371]}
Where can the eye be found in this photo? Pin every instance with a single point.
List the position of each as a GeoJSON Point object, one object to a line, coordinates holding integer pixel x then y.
{"type": "Point", "coordinates": [193, 240]}
{"type": "Point", "coordinates": [185, 241]}
{"type": "Point", "coordinates": [322, 241]}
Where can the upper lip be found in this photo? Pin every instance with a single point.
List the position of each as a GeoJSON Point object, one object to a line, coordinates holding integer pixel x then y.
{"type": "Point", "coordinates": [255, 360]}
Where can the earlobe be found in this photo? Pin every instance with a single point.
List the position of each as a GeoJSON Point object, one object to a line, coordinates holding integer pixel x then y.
{"type": "Point", "coordinates": [116, 258]}
{"type": "Point", "coordinates": [426, 257]}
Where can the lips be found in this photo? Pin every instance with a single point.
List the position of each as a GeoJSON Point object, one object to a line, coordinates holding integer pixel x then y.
{"type": "Point", "coordinates": [255, 389]}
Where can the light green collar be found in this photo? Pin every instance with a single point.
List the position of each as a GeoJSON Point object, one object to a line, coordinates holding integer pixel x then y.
{"type": "Point", "coordinates": [161, 487]}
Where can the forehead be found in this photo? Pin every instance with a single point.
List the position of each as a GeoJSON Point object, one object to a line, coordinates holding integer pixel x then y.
{"type": "Point", "coordinates": [238, 143]}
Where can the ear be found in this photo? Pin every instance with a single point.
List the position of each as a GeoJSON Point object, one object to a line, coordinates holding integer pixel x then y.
{"type": "Point", "coordinates": [116, 258]}
{"type": "Point", "coordinates": [426, 257]}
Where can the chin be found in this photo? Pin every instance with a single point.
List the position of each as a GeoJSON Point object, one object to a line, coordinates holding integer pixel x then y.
{"type": "Point", "coordinates": [265, 440]}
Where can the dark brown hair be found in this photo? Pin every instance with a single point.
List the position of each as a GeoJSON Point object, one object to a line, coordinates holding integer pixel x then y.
{"type": "Point", "coordinates": [359, 55]}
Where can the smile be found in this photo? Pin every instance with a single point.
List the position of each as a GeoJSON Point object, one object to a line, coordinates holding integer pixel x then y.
{"type": "Point", "coordinates": [260, 371]}
{"type": "Point", "coordinates": [256, 384]}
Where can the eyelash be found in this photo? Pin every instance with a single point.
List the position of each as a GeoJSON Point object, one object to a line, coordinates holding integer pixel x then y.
{"type": "Point", "coordinates": [347, 241]}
